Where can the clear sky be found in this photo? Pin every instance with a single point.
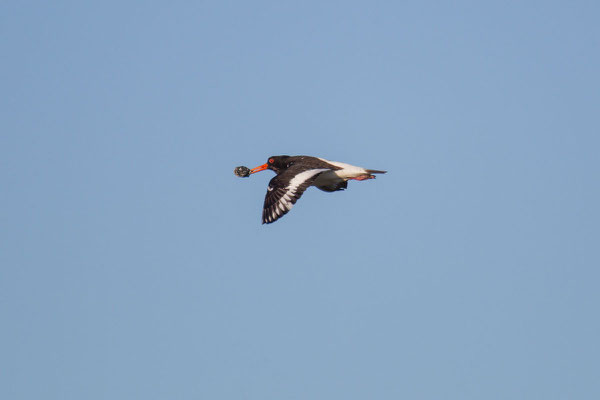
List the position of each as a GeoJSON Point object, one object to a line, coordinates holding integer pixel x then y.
{"type": "Point", "coordinates": [134, 264]}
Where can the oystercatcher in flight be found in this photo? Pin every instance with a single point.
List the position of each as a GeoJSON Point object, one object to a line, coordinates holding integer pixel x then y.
{"type": "Point", "coordinates": [296, 173]}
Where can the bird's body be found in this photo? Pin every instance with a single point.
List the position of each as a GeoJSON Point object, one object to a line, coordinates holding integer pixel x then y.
{"type": "Point", "coordinates": [296, 173]}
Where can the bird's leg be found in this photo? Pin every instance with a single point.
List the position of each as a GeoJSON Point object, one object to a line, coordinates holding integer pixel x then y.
{"type": "Point", "coordinates": [363, 177]}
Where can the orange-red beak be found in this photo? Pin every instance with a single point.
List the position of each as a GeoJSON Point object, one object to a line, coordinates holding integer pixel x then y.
{"type": "Point", "coordinates": [259, 168]}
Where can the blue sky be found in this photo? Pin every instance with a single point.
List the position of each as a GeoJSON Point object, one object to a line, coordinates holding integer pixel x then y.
{"type": "Point", "coordinates": [134, 263]}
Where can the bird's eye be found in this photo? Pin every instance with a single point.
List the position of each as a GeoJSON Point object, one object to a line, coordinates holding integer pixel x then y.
{"type": "Point", "coordinates": [271, 161]}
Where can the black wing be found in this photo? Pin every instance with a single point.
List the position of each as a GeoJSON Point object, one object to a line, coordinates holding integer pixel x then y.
{"type": "Point", "coordinates": [285, 189]}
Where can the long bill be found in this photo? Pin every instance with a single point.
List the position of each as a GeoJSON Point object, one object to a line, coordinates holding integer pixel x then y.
{"type": "Point", "coordinates": [259, 168]}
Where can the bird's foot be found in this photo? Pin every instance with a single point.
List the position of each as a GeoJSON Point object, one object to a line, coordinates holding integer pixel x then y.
{"type": "Point", "coordinates": [363, 177]}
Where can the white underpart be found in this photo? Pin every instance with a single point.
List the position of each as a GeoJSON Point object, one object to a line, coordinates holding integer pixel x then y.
{"type": "Point", "coordinates": [346, 172]}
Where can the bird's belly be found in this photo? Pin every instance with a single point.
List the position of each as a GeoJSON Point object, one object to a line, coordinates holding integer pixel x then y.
{"type": "Point", "coordinates": [337, 176]}
{"type": "Point", "coordinates": [328, 178]}
{"type": "Point", "coordinates": [346, 171]}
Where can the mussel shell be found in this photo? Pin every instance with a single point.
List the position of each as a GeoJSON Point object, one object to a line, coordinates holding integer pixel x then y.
{"type": "Point", "coordinates": [242, 171]}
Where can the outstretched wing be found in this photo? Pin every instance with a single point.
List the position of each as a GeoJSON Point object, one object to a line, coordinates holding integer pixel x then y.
{"type": "Point", "coordinates": [285, 189]}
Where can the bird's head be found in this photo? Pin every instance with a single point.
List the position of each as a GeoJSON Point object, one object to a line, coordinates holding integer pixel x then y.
{"type": "Point", "coordinates": [274, 163]}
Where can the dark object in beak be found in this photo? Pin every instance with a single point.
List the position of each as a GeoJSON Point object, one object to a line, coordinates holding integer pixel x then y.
{"type": "Point", "coordinates": [242, 171]}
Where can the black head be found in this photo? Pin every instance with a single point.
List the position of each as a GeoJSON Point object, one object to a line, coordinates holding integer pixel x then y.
{"type": "Point", "coordinates": [274, 163]}
{"type": "Point", "coordinates": [278, 163]}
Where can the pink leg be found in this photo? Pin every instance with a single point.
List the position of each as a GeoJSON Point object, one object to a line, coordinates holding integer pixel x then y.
{"type": "Point", "coordinates": [363, 177]}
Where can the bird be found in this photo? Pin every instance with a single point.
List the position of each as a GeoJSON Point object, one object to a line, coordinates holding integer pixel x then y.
{"type": "Point", "coordinates": [294, 174]}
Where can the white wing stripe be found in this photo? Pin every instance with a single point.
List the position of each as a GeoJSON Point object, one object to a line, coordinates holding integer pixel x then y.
{"type": "Point", "coordinates": [285, 203]}
{"type": "Point", "coordinates": [302, 177]}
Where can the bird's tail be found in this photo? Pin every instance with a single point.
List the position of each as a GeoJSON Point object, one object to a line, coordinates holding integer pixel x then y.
{"type": "Point", "coordinates": [375, 171]}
